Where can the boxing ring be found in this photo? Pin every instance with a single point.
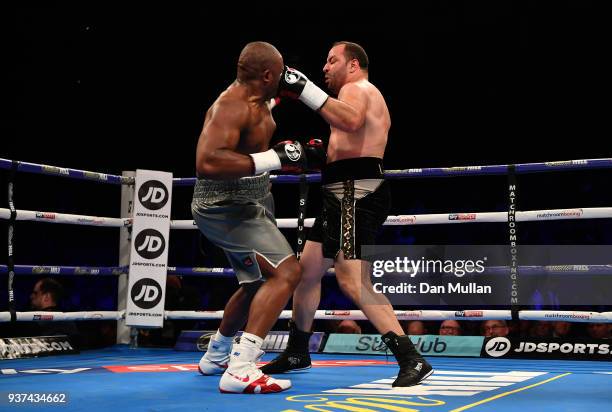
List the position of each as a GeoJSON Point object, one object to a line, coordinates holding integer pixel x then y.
{"type": "Point", "coordinates": [159, 379]}
{"type": "Point", "coordinates": [119, 378]}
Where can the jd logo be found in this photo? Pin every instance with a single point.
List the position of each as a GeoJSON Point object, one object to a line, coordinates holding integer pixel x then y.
{"type": "Point", "coordinates": [146, 293]}
{"type": "Point", "coordinates": [153, 194]}
{"type": "Point", "coordinates": [150, 244]}
{"type": "Point", "coordinates": [497, 347]}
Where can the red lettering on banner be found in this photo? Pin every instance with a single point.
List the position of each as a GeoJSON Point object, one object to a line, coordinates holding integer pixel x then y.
{"type": "Point", "coordinates": [194, 367]}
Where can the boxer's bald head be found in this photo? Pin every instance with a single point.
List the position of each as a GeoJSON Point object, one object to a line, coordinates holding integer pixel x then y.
{"type": "Point", "coordinates": [260, 61]}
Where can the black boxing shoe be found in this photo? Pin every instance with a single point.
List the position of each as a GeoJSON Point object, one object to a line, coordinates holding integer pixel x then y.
{"type": "Point", "coordinates": [413, 367]}
{"type": "Point", "coordinates": [295, 357]}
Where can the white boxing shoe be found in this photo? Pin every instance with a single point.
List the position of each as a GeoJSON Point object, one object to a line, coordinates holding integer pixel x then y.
{"type": "Point", "coordinates": [251, 379]}
{"type": "Point", "coordinates": [243, 375]}
{"type": "Point", "coordinates": [216, 358]}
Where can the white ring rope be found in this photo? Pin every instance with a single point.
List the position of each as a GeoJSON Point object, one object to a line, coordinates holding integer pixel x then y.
{"type": "Point", "coordinates": [452, 218]}
{"type": "Point", "coordinates": [339, 314]}
{"type": "Point", "coordinates": [52, 217]}
{"type": "Point", "coordinates": [424, 315]}
{"type": "Point", "coordinates": [566, 315]}
{"type": "Point", "coordinates": [62, 316]}
{"type": "Point", "coordinates": [400, 220]}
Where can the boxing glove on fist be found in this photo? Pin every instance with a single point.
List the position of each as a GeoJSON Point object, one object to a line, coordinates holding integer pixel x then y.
{"type": "Point", "coordinates": [288, 156]}
{"type": "Point", "coordinates": [316, 154]}
{"type": "Point", "coordinates": [295, 85]}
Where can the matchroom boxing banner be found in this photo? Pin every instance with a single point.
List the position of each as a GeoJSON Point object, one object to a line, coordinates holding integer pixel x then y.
{"type": "Point", "coordinates": [149, 249]}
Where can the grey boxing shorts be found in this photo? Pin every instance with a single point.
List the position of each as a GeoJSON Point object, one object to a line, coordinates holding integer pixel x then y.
{"type": "Point", "coordinates": [238, 216]}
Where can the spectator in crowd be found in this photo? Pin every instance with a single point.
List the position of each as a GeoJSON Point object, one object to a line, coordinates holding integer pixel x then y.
{"type": "Point", "coordinates": [415, 327]}
{"type": "Point", "coordinates": [561, 329]}
{"type": "Point", "coordinates": [494, 328]}
{"type": "Point", "coordinates": [541, 329]}
{"type": "Point", "coordinates": [348, 326]}
{"type": "Point", "coordinates": [450, 328]}
{"type": "Point", "coordinates": [45, 296]}
{"type": "Point", "coordinates": [599, 330]}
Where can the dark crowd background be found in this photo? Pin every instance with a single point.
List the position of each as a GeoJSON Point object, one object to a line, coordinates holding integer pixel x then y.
{"type": "Point", "coordinates": [111, 87]}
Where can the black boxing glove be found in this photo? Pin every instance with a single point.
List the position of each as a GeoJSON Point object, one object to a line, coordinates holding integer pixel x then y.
{"type": "Point", "coordinates": [316, 154]}
{"type": "Point", "coordinates": [297, 86]}
{"type": "Point", "coordinates": [287, 156]}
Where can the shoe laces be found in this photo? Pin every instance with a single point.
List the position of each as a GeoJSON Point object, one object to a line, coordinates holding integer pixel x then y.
{"type": "Point", "coordinates": [252, 370]}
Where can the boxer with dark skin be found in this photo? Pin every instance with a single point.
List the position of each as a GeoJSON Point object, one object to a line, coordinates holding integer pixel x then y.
{"type": "Point", "coordinates": [240, 122]}
{"type": "Point", "coordinates": [233, 208]}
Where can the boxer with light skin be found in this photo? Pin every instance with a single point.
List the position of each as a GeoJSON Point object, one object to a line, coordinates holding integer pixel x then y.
{"type": "Point", "coordinates": [356, 202]}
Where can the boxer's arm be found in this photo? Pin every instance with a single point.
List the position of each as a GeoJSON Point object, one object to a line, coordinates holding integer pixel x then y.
{"type": "Point", "coordinates": [216, 156]}
{"type": "Point", "coordinates": [348, 111]}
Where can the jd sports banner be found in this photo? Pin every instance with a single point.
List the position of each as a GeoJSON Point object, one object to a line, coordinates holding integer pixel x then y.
{"type": "Point", "coordinates": [550, 348]}
{"type": "Point", "coordinates": [149, 250]}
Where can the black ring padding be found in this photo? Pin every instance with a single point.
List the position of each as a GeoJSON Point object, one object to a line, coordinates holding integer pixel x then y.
{"type": "Point", "coordinates": [302, 205]}
{"type": "Point", "coordinates": [11, 180]}
{"type": "Point", "coordinates": [11, 228]}
{"type": "Point", "coordinates": [512, 181]}
{"type": "Point", "coordinates": [512, 174]}
{"type": "Point", "coordinates": [11, 295]}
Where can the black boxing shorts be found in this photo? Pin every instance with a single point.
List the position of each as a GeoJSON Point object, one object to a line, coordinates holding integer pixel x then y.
{"type": "Point", "coordinates": [356, 202]}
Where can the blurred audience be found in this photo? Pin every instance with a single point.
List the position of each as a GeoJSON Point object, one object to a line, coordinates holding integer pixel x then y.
{"type": "Point", "coordinates": [561, 329]}
{"type": "Point", "coordinates": [599, 330]}
{"type": "Point", "coordinates": [414, 327]}
{"type": "Point", "coordinates": [46, 297]}
{"type": "Point", "coordinates": [541, 329]}
{"type": "Point", "coordinates": [494, 328]}
{"type": "Point", "coordinates": [346, 326]}
{"type": "Point", "coordinates": [451, 328]}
